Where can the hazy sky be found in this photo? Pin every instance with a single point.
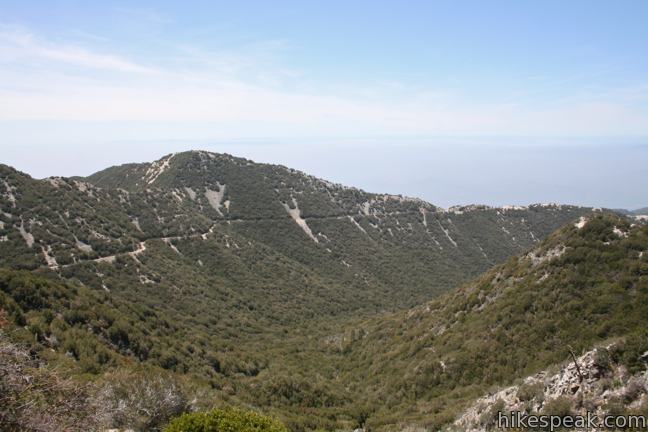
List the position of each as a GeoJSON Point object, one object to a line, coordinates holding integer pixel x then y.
{"type": "Point", "coordinates": [454, 101]}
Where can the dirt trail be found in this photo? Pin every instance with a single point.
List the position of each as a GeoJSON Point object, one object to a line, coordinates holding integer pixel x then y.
{"type": "Point", "coordinates": [141, 247]}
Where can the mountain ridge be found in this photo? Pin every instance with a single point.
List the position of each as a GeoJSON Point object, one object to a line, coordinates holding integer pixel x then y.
{"type": "Point", "coordinates": [100, 177]}
{"type": "Point", "coordinates": [248, 276]}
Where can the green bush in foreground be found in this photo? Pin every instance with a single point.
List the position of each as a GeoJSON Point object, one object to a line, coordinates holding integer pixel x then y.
{"type": "Point", "coordinates": [225, 420]}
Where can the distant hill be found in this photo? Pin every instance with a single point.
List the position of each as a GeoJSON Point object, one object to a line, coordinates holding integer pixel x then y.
{"type": "Point", "coordinates": [637, 212]}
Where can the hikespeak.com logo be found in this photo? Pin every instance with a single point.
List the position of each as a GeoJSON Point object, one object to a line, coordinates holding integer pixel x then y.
{"type": "Point", "coordinates": [588, 421]}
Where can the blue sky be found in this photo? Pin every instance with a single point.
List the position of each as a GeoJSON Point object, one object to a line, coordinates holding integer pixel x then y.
{"type": "Point", "coordinates": [418, 86]}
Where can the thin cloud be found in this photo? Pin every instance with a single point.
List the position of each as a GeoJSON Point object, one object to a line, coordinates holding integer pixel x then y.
{"type": "Point", "coordinates": [247, 92]}
{"type": "Point", "coordinates": [20, 46]}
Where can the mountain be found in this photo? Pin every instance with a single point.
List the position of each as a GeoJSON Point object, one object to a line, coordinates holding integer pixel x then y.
{"type": "Point", "coordinates": [583, 287]}
{"type": "Point", "coordinates": [227, 223]}
{"type": "Point", "coordinates": [638, 212]}
{"type": "Point", "coordinates": [258, 283]}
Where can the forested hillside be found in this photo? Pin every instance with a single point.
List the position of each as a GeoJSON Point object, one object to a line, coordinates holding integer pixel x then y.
{"type": "Point", "coordinates": [256, 285]}
{"type": "Point", "coordinates": [585, 286]}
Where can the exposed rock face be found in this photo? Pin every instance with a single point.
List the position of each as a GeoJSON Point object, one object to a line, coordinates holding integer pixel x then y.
{"type": "Point", "coordinates": [537, 257]}
{"type": "Point", "coordinates": [215, 198]}
{"type": "Point", "coordinates": [295, 214]}
{"type": "Point", "coordinates": [598, 387]}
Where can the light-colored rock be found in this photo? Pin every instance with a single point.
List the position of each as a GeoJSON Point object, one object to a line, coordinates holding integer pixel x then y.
{"type": "Point", "coordinates": [157, 168]}
{"type": "Point", "coordinates": [191, 193]}
{"type": "Point", "coordinates": [215, 198]}
{"type": "Point", "coordinates": [49, 258]}
{"type": "Point", "coordinates": [295, 214]}
{"type": "Point", "coordinates": [582, 221]}
{"type": "Point", "coordinates": [9, 194]}
{"type": "Point", "coordinates": [28, 237]}
{"type": "Point", "coordinates": [537, 257]}
{"type": "Point", "coordinates": [566, 382]}
{"type": "Point", "coordinates": [83, 247]}
{"type": "Point", "coordinates": [357, 225]}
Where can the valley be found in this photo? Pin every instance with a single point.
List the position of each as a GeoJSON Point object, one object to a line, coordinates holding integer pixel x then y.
{"type": "Point", "coordinates": [260, 286]}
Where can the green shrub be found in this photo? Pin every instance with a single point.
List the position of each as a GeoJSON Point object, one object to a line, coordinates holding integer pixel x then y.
{"type": "Point", "coordinates": [636, 345]}
{"type": "Point", "coordinates": [225, 420]}
{"type": "Point", "coordinates": [530, 391]}
{"type": "Point", "coordinates": [603, 359]}
{"type": "Point", "coordinates": [489, 418]}
{"type": "Point", "coordinates": [560, 406]}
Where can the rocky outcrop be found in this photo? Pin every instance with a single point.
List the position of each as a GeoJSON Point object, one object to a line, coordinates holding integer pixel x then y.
{"type": "Point", "coordinates": [593, 383]}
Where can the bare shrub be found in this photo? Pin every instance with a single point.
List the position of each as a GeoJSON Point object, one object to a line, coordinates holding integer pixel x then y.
{"type": "Point", "coordinates": [633, 390]}
{"type": "Point", "coordinates": [140, 401]}
{"type": "Point", "coordinates": [37, 398]}
{"type": "Point", "coordinates": [560, 406]}
{"type": "Point", "coordinates": [531, 391]}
